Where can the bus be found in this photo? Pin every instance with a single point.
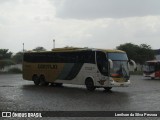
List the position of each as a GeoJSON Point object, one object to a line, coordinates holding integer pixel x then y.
{"type": "Point", "coordinates": [152, 69]}
{"type": "Point", "coordinates": [93, 68]}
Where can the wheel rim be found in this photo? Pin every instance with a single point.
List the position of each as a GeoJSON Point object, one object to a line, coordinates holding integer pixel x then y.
{"type": "Point", "coordinates": [90, 85]}
{"type": "Point", "coordinates": [42, 81]}
{"type": "Point", "coordinates": [36, 80]}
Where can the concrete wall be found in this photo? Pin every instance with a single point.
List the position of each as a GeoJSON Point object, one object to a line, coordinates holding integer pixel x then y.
{"type": "Point", "coordinates": [12, 66]}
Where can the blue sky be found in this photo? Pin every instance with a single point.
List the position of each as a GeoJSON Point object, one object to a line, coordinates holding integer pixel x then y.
{"type": "Point", "coordinates": [79, 23]}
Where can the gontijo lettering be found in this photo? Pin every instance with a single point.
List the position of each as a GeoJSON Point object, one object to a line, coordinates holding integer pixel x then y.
{"type": "Point", "coordinates": [47, 66]}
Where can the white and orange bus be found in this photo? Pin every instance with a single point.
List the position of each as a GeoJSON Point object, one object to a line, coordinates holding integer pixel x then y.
{"type": "Point", "coordinates": [152, 69]}
{"type": "Point", "coordinates": [81, 66]}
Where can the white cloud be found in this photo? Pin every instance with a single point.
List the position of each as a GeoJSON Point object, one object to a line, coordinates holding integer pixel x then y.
{"type": "Point", "coordinates": [91, 9]}
{"type": "Point", "coordinates": [36, 23]}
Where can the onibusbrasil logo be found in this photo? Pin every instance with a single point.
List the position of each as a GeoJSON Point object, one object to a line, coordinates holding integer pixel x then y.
{"type": "Point", "coordinates": [22, 114]}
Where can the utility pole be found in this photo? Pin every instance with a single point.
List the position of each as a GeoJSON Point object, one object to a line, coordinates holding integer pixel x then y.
{"type": "Point", "coordinates": [53, 43]}
{"type": "Point", "coordinates": [23, 47]}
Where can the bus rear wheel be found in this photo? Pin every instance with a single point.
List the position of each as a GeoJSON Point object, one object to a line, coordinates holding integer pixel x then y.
{"type": "Point", "coordinates": [43, 81]}
{"type": "Point", "coordinates": [36, 80]}
{"type": "Point", "coordinates": [59, 84]}
{"type": "Point", "coordinates": [90, 84]}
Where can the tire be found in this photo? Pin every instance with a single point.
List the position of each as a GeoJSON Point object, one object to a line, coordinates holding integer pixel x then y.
{"type": "Point", "coordinates": [58, 84]}
{"type": "Point", "coordinates": [36, 80]}
{"type": "Point", "coordinates": [43, 81]}
{"type": "Point", "coordinates": [90, 84]}
{"type": "Point", "coordinates": [107, 88]}
{"type": "Point", "coordinates": [52, 84]}
{"type": "Point", "coordinates": [152, 78]}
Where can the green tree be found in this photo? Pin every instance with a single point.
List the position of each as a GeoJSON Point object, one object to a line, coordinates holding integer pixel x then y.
{"type": "Point", "coordinates": [38, 49]}
{"type": "Point", "coordinates": [139, 53]}
{"type": "Point", "coordinates": [145, 53]}
{"type": "Point", "coordinates": [4, 54]}
{"type": "Point", "coordinates": [18, 57]}
{"type": "Point", "coordinates": [5, 58]}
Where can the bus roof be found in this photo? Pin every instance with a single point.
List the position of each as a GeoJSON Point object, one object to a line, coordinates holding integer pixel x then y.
{"type": "Point", "coordinates": [72, 49]}
{"type": "Point", "coordinates": [111, 50]}
{"type": "Point", "coordinates": [81, 49]}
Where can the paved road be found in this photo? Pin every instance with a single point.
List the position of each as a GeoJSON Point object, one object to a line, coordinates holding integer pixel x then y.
{"type": "Point", "coordinates": [17, 94]}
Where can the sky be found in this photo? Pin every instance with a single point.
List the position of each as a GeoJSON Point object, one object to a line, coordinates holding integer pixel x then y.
{"type": "Point", "coordinates": [78, 23]}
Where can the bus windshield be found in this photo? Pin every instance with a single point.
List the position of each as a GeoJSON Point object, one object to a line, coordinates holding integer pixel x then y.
{"type": "Point", "coordinates": [118, 56]}
{"type": "Point", "coordinates": [120, 65]}
{"type": "Point", "coordinates": [149, 67]}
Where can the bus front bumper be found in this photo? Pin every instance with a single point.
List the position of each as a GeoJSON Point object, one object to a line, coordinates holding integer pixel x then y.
{"type": "Point", "coordinates": [119, 84]}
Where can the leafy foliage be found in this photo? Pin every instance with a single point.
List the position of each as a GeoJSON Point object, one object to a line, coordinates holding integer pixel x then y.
{"type": "Point", "coordinates": [5, 62]}
{"type": "Point", "coordinates": [18, 57]}
{"type": "Point", "coordinates": [39, 49]}
{"type": "Point", "coordinates": [5, 58]}
{"type": "Point", "coordinates": [139, 53]}
{"type": "Point", "coordinates": [4, 54]}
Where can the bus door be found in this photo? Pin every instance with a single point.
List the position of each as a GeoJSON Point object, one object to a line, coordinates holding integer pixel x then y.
{"type": "Point", "coordinates": [157, 69]}
{"type": "Point", "coordinates": [102, 64]}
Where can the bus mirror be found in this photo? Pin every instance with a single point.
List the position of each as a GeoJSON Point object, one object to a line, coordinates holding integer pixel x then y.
{"type": "Point", "coordinates": [110, 63]}
{"type": "Point", "coordinates": [133, 63]}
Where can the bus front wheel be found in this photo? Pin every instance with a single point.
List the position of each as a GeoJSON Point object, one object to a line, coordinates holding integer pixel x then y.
{"type": "Point", "coordinates": [36, 80]}
{"type": "Point", "coordinates": [90, 84]}
{"type": "Point", "coordinates": [107, 88]}
{"type": "Point", "coordinates": [152, 78]}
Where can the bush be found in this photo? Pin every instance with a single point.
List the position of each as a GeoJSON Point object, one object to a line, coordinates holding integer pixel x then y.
{"type": "Point", "coordinates": [14, 70]}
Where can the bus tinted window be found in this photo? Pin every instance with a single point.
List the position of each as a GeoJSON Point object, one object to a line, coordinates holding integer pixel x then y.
{"type": "Point", "coordinates": [117, 56]}
{"type": "Point", "coordinates": [61, 57]}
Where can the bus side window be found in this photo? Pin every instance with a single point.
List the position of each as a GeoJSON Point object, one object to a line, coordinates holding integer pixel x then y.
{"type": "Point", "coordinates": [102, 63]}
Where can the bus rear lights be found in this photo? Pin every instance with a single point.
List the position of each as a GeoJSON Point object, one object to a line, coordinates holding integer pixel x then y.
{"type": "Point", "coordinates": [157, 74]}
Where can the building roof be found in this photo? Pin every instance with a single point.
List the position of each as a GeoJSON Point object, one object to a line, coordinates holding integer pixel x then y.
{"type": "Point", "coordinates": [153, 61]}
{"type": "Point", "coordinates": [157, 51]}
